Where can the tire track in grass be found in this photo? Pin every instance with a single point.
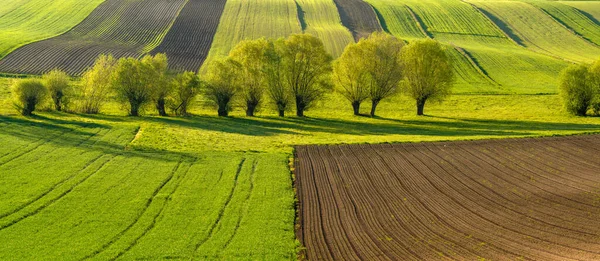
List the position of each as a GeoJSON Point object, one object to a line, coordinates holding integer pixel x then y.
{"type": "Point", "coordinates": [51, 202]}
{"type": "Point", "coordinates": [28, 203]}
{"type": "Point", "coordinates": [137, 218]}
{"type": "Point", "coordinates": [222, 210]}
{"type": "Point", "coordinates": [244, 209]}
{"type": "Point", "coordinates": [36, 146]}
{"type": "Point", "coordinates": [157, 216]}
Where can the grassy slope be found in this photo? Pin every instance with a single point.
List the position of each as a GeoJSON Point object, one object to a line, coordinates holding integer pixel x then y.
{"type": "Point", "coordinates": [322, 19]}
{"type": "Point", "coordinates": [572, 18]}
{"type": "Point", "coordinates": [253, 19]}
{"type": "Point", "coordinates": [539, 32]}
{"type": "Point", "coordinates": [23, 22]}
{"type": "Point", "coordinates": [454, 22]}
{"type": "Point", "coordinates": [591, 8]}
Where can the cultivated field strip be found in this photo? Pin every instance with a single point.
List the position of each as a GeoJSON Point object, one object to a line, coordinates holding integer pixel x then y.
{"type": "Point", "coordinates": [572, 19]}
{"type": "Point", "coordinates": [532, 199]}
{"type": "Point", "coordinates": [188, 41]}
{"type": "Point", "coordinates": [321, 18]}
{"type": "Point", "coordinates": [531, 27]}
{"type": "Point", "coordinates": [591, 9]}
{"type": "Point", "coordinates": [26, 21]}
{"type": "Point", "coordinates": [120, 28]}
{"type": "Point", "coordinates": [485, 48]}
{"type": "Point", "coordinates": [253, 19]}
{"type": "Point", "coordinates": [359, 17]}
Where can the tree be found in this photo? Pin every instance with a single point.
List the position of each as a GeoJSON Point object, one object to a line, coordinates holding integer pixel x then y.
{"type": "Point", "coordinates": [185, 87]}
{"type": "Point", "coordinates": [370, 69]}
{"type": "Point", "coordinates": [157, 79]}
{"type": "Point", "coordinates": [428, 72]}
{"type": "Point", "coordinates": [306, 69]}
{"type": "Point", "coordinates": [96, 84]}
{"type": "Point", "coordinates": [274, 77]}
{"type": "Point", "coordinates": [577, 89]}
{"type": "Point", "coordinates": [351, 76]}
{"type": "Point", "coordinates": [130, 83]}
{"type": "Point", "coordinates": [57, 83]}
{"type": "Point", "coordinates": [28, 94]}
{"type": "Point", "coordinates": [595, 81]}
{"type": "Point", "coordinates": [222, 84]}
{"type": "Point", "coordinates": [250, 54]}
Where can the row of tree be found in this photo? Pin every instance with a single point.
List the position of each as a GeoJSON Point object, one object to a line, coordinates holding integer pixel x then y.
{"type": "Point", "coordinates": [580, 88]}
{"type": "Point", "coordinates": [299, 71]}
{"type": "Point", "coordinates": [294, 72]}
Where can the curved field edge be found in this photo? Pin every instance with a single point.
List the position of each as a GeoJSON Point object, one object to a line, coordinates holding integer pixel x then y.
{"type": "Point", "coordinates": [123, 29]}
{"type": "Point", "coordinates": [25, 22]}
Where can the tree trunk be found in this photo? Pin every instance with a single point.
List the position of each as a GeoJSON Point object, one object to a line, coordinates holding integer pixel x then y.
{"type": "Point", "coordinates": [420, 106]}
{"type": "Point", "coordinates": [29, 107]}
{"type": "Point", "coordinates": [356, 107]}
{"type": "Point", "coordinates": [374, 104]}
{"type": "Point", "coordinates": [281, 113]}
{"type": "Point", "coordinates": [250, 108]}
{"type": "Point", "coordinates": [300, 107]}
{"type": "Point", "coordinates": [134, 110]}
{"type": "Point", "coordinates": [223, 111]}
{"type": "Point", "coordinates": [160, 107]}
{"type": "Point", "coordinates": [57, 101]}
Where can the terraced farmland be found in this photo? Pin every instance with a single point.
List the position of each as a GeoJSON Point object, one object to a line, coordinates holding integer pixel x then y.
{"type": "Point", "coordinates": [533, 199]}
{"type": "Point", "coordinates": [26, 21]}
{"type": "Point", "coordinates": [188, 41]}
{"type": "Point", "coordinates": [122, 28]}
{"type": "Point", "coordinates": [75, 190]}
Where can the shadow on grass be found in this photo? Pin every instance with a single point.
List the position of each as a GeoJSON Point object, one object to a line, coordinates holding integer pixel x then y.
{"type": "Point", "coordinates": [61, 133]}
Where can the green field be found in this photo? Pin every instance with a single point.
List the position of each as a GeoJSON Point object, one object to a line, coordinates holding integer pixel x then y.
{"type": "Point", "coordinates": [26, 21]}
{"type": "Point", "coordinates": [108, 186]}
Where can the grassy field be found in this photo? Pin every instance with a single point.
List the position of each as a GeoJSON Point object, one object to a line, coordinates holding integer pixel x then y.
{"type": "Point", "coordinates": [203, 187]}
{"type": "Point", "coordinates": [590, 9]}
{"type": "Point", "coordinates": [23, 22]}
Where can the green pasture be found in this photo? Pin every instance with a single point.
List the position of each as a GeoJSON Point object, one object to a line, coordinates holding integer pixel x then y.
{"type": "Point", "coordinates": [26, 21]}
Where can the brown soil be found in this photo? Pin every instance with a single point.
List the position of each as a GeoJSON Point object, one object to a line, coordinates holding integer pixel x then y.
{"type": "Point", "coordinates": [530, 199]}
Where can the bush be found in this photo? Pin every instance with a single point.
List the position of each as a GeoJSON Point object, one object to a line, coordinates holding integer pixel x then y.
{"type": "Point", "coordinates": [96, 84]}
{"type": "Point", "coordinates": [250, 54]}
{"type": "Point", "coordinates": [185, 87]}
{"type": "Point", "coordinates": [157, 79]}
{"type": "Point", "coordinates": [57, 83]}
{"type": "Point", "coordinates": [28, 94]}
{"type": "Point", "coordinates": [577, 89]}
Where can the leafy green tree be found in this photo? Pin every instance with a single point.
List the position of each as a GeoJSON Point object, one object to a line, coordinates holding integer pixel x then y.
{"type": "Point", "coordinates": [222, 84]}
{"type": "Point", "coordinates": [370, 69]}
{"type": "Point", "coordinates": [157, 79]}
{"type": "Point", "coordinates": [577, 89]}
{"type": "Point", "coordinates": [130, 83]}
{"type": "Point", "coordinates": [95, 84]}
{"type": "Point", "coordinates": [595, 82]}
{"type": "Point", "coordinates": [28, 94]}
{"type": "Point", "coordinates": [306, 69]}
{"type": "Point", "coordinates": [57, 83]}
{"type": "Point", "coordinates": [274, 73]}
{"type": "Point", "coordinates": [427, 71]}
{"type": "Point", "coordinates": [185, 87]}
{"type": "Point", "coordinates": [251, 55]}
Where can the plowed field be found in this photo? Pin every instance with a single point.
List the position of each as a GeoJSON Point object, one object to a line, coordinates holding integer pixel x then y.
{"type": "Point", "coordinates": [520, 199]}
